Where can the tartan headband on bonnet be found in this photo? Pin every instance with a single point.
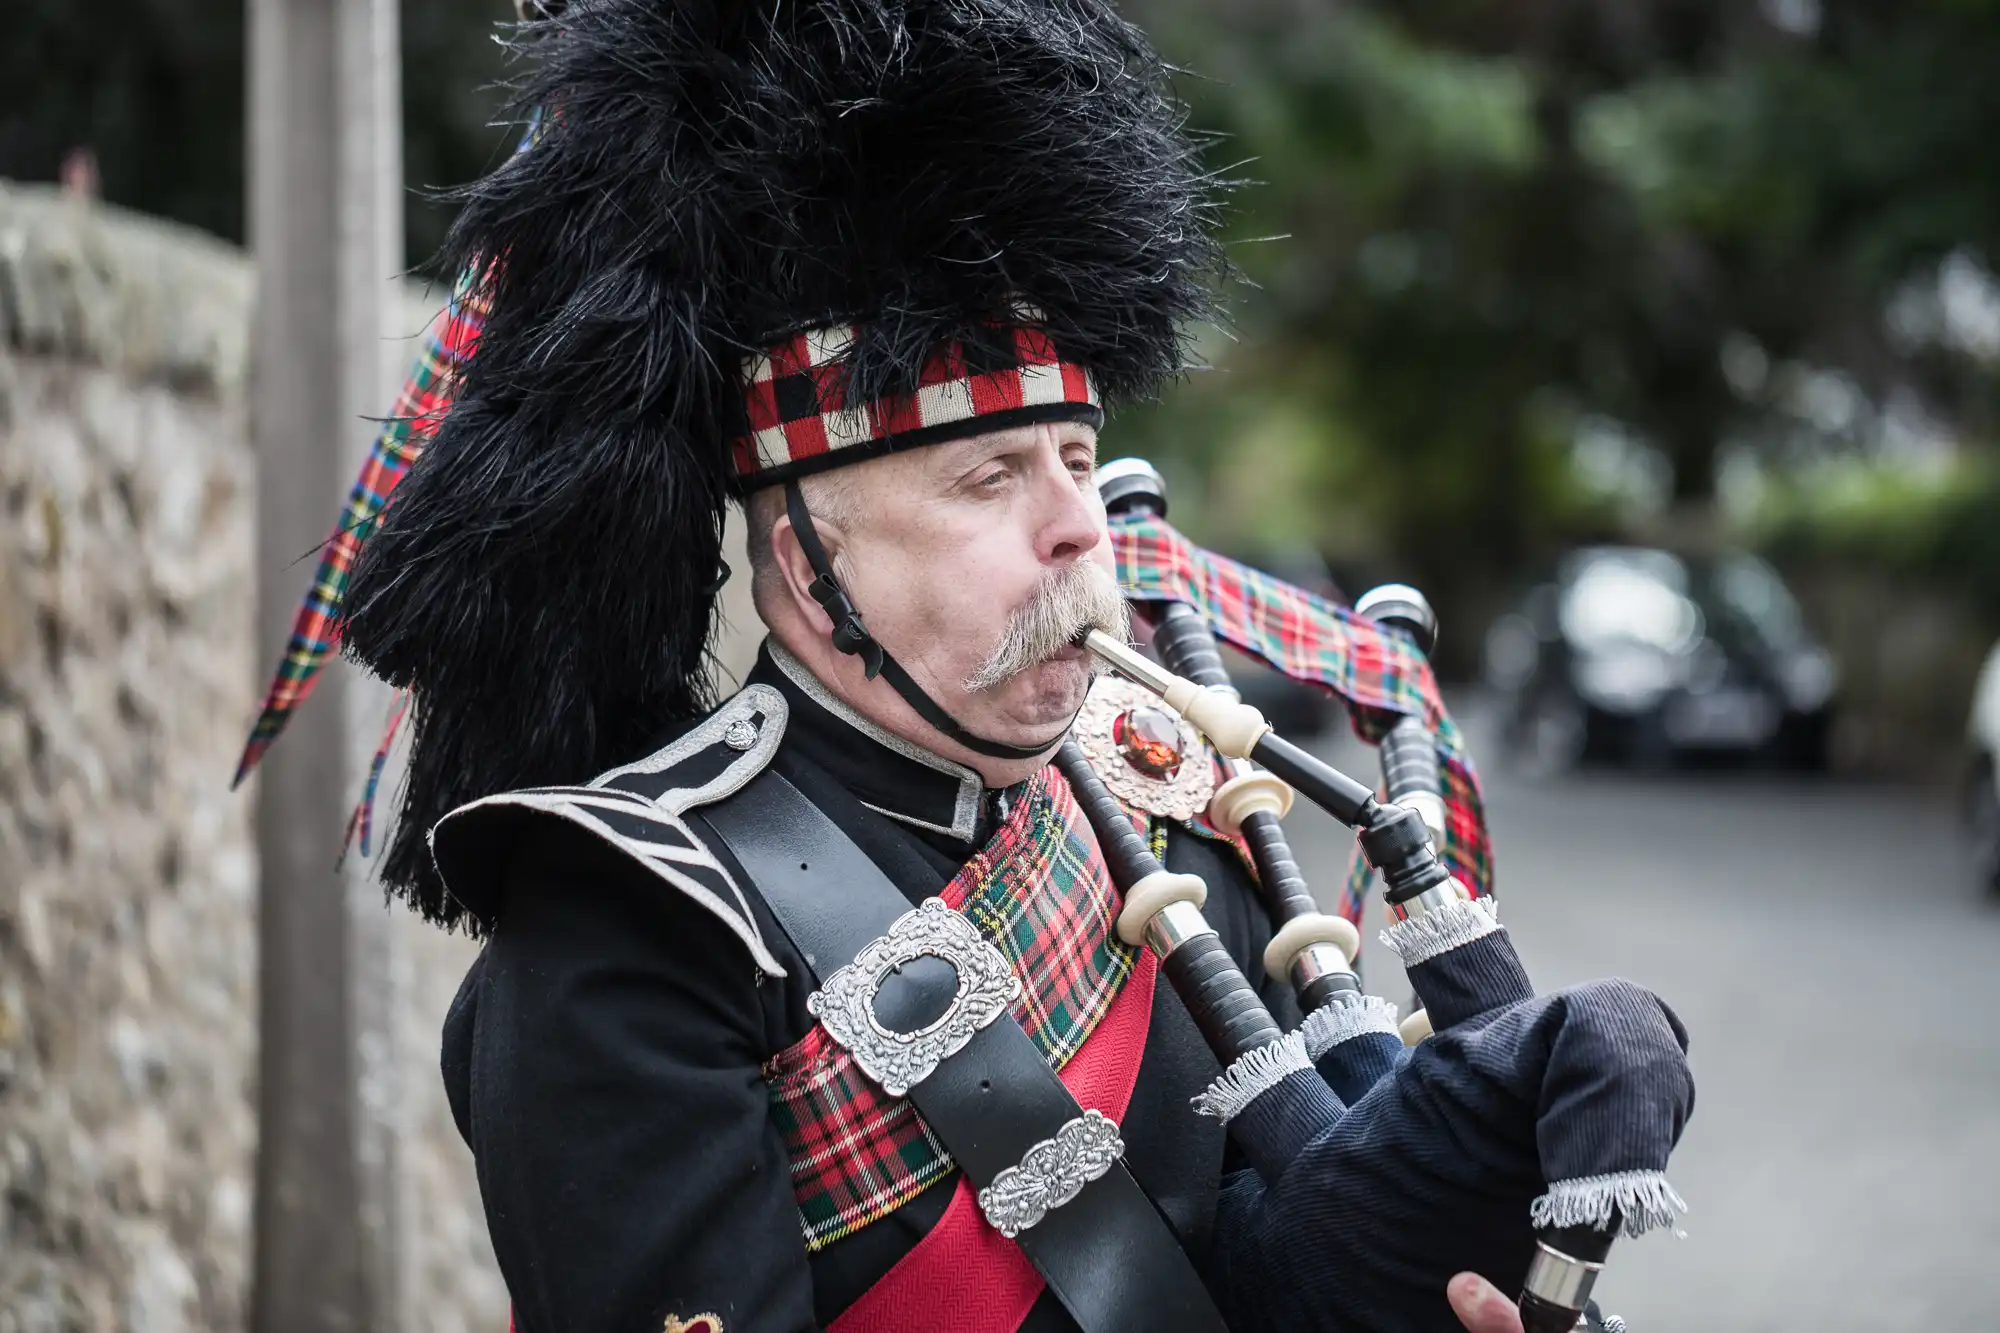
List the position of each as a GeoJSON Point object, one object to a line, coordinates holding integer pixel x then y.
{"type": "Point", "coordinates": [797, 419]}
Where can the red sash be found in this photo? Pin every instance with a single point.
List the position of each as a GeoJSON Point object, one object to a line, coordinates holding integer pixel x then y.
{"type": "Point", "coordinates": [966, 1276]}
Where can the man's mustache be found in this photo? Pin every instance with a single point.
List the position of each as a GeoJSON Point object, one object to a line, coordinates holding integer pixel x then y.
{"type": "Point", "coordinates": [1079, 596]}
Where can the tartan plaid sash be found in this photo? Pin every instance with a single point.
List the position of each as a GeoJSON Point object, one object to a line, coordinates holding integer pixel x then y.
{"type": "Point", "coordinates": [1379, 677]}
{"type": "Point", "coordinates": [1040, 891]}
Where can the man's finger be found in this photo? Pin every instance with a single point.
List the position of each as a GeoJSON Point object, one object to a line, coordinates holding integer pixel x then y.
{"type": "Point", "coordinates": [1480, 1306]}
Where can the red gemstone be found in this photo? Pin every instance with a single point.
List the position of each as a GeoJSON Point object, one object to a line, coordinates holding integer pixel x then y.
{"type": "Point", "coordinates": [1149, 739]}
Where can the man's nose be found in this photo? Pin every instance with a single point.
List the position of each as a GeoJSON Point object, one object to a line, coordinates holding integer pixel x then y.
{"type": "Point", "coordinates": [1072, 525]}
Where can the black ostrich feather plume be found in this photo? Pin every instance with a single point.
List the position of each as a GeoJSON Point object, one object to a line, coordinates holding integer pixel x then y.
{"type": "Point", "coordinates": [711, 177]}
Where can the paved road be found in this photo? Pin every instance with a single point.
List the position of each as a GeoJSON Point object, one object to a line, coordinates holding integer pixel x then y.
{"type": "Point", "coordinates": [1838, 975]}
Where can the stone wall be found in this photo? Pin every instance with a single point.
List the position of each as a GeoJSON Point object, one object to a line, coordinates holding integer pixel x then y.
{"type": "Point", "coordinates": [127, 885]}
{"type": "Point", "coordinates": [128, 675]}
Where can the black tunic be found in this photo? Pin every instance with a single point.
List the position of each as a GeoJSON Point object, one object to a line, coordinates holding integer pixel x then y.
{"type": "Point", "coordinates": [604, 1060]}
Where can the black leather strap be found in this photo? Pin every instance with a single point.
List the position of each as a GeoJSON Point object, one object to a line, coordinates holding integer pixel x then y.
{"type": "Point", "coordinates": [1107, 1254]}
{"type": "Point", "coordinates": [849, 634]}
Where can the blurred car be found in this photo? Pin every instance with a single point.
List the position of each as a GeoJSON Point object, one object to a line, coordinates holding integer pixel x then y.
{"type": "Point", "coordinates": [1636, 655]}
{"type": "Point", "coordinates": [1982, 786]}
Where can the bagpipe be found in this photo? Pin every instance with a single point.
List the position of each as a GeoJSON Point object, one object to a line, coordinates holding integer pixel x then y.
{"type": "Point", "coordinates": [1516, 1137]}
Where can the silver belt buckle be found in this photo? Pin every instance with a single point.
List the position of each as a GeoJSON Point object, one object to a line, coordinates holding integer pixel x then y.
{"type": "Point", "coordinates": [898, 1061]}
{"type": "Point", "coordinates": [1051, 1173]}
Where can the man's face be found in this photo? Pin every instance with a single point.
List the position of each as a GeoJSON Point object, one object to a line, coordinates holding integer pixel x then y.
{"type": "Point", "coordinates": [947, 544]}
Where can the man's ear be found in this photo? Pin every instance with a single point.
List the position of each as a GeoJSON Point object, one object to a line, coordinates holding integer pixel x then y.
{"type": "Point", "coordinates": [797, 571]}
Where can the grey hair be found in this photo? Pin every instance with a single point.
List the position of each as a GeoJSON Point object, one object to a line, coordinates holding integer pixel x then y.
{"type": "Point", "coordinates": [1078, 596]}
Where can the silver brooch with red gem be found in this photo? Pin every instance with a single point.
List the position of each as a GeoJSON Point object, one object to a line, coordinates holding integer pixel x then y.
{"type": "Point", "coordinates": [1149, 756]}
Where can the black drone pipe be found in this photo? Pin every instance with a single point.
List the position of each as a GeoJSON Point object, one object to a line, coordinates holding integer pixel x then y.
{"type": "Point", "coordinates": [1411, 774]}
{"type": "Point", "coordinates": [1163, 911]}
{"type": "Point", "coordinates": [1314, 950]}
{"type": "Point", "coordinates": [1351, 1038]}
{"type": "Point", "coordinates": [1410, 771]}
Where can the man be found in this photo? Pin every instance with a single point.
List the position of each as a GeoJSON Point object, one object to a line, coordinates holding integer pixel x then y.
{"type": "Point", "coordinates": [603, 992]}
{"type": "Point", "coordinates": [875, 268]}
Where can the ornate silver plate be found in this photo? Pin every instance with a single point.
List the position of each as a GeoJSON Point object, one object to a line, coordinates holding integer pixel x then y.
{"type": "Point", "coordinates": [845, 1004]}
{"type": "Point", "coordinates": [1051, 1173]}
{"type": "Point", "coordinates": [1182, 796]}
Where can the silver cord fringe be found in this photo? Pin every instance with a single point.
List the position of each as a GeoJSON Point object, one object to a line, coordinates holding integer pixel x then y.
{"type": "Point", "coordinates": [1440, 930]}
{"type": "Point", "coordinates": [1643, 1199]}
{"type": "Point", "coordinates": [1253, 1074]}
{"type": "Point", "coordinates": [1326, 1028]}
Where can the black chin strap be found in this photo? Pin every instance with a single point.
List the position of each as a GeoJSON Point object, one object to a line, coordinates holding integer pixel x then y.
{"type": "Point", "coordinates": [852, 638]}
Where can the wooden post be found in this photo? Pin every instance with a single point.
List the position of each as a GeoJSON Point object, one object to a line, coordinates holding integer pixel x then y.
{"type": "Point", "coordinates": [326, 226]}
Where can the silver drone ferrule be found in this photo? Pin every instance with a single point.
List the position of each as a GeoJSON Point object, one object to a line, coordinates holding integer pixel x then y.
{"type": "Point", "coordinates": [1316, 961]}
{"type": "Point", "coordinates": [1174, 925]}
{"type": "Point", "coordinates": [1428, 901]}
{"type": "Point", "coordinates": [1559, 1279]}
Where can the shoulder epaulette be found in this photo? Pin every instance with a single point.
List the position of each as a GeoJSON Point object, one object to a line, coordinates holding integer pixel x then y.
{"type": "Point", "coordinates": [638, 809]}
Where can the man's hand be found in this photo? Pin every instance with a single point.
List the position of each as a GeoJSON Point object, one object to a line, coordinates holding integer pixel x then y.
{"type": "Point", "coordinates": [1480, 1306]}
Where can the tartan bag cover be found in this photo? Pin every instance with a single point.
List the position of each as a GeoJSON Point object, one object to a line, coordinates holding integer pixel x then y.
{"type": "Point", "coordinates": [1040, 891]}
{"type": "Point", "coordinates": [1378, 675]}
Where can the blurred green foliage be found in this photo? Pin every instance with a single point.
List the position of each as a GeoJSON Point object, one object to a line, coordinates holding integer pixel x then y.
{"type": "Point", "coordinates": [1508, 226]}
{"type": "Point", "coordinates": [1936, 530]}
{"type": "Point", "coordinates": [1519, 271]}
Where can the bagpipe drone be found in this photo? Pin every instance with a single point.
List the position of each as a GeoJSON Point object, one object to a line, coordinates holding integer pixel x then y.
{"type": "Point", "coordinates": [1516, 1138]}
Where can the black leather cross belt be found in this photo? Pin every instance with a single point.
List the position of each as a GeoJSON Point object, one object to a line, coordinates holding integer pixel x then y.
{"type": "Point", "coordinates": [921, 1001]}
